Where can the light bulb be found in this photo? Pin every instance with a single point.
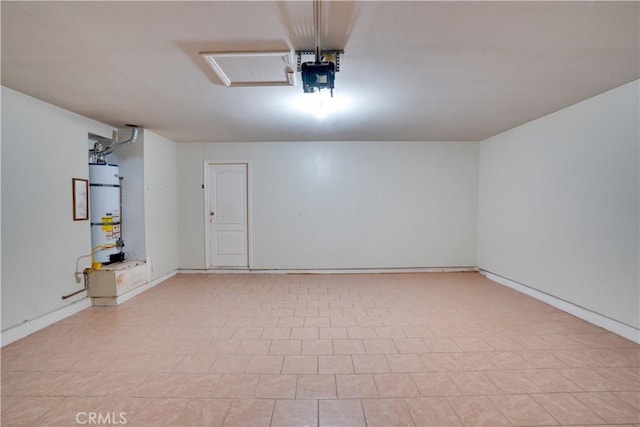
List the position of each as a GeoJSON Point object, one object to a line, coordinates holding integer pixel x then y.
{"type": "Point", "coordinates": [323, 104]}
{"type": "Point", "coordinates": [320, 104]}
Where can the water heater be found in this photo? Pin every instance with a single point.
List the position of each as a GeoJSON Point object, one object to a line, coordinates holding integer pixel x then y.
{"type": "Point", "coordinates": [104, 207]}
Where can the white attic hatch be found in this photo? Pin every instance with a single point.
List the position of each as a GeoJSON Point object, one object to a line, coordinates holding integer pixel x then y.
{"type": "Point", "coordinates": [266, 68]}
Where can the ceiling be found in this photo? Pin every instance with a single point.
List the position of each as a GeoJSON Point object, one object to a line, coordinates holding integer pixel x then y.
{"type": "Point", "coordinates": [411, 71]}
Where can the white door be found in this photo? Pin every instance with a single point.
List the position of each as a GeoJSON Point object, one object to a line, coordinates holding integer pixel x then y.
{"type": "Point", "coordinates": [227, 215]}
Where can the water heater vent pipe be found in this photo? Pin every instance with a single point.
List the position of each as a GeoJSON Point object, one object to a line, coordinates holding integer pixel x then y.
{"type": "Point", "coordinates": [104, 146]}
{"type": "Point", "coordinates": [116, 145]}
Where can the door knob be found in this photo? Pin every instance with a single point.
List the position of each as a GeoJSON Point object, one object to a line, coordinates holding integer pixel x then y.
{"type": "Point", "coordinates": [212, 215]}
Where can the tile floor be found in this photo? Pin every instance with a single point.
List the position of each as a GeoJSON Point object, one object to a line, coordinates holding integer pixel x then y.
{"type": "Point", "coordinates": [447, 349]}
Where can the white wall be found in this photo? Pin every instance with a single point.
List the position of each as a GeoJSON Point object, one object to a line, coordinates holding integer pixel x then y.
{"type": "Point", "coordinates": [160, 204]}
{"type": "Point", "coordinates": [559, 204]}
{"type": "Point", "coordinates": [343, 204]}
{"type": "Point", "coordinates": [43, 148]}
{"type": "Point", "coordinates": [191, 239]}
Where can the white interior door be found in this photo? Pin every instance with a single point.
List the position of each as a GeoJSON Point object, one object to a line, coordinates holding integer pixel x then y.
{"type": "Point", "coordinates": [227, 215]}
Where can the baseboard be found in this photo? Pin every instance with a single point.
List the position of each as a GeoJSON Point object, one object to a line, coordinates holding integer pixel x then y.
{"type": "Point", "coordinates": [329, 271]}
{"type": "Point", "coordinates": [27, 328]}
{"type": "Point", "coordinates": [592, 317]}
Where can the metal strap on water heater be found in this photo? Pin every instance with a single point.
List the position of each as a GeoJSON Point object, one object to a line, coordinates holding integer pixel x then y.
{"type": "Point", "coordinates": [104, 185]}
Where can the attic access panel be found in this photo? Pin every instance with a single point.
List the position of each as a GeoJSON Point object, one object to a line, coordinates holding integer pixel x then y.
{"type": "Point", "coordinates": [237, 69]}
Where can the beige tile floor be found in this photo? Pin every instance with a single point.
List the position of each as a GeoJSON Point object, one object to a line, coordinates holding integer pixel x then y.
{"type": "Point", "coordinates": [446, 349]}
